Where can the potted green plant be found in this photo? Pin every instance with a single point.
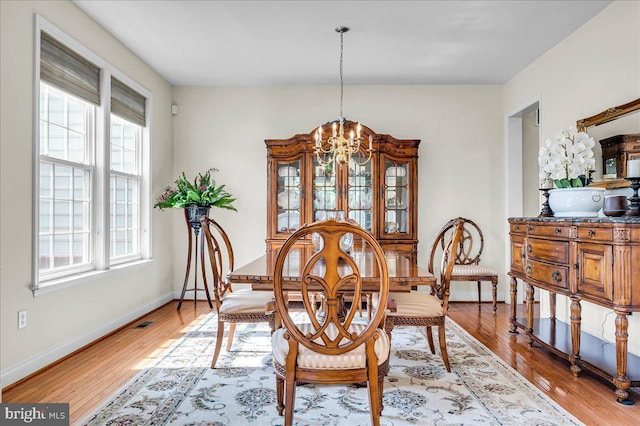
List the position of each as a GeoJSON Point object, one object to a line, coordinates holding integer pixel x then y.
{"type": "Point", "coordinates": [196, 196]}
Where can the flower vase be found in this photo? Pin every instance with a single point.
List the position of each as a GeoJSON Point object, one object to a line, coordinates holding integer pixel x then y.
{"type": "Point", "coordinates": [195, 212]}
{"type": "Point", "coordinates": [576, 202]}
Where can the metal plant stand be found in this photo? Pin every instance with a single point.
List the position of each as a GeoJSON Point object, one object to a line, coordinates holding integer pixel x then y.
{"type": "Point", "coordinates": [192, 215]}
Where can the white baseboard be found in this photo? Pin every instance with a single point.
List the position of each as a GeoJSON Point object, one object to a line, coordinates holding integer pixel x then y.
{"type": "Point", "coordinates": [13, 374]}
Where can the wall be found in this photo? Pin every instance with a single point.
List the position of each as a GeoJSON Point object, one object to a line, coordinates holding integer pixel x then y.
{"type": "Point", "coordinates": [460, 155]}
{"type": "Point", "coordinates": [596, 67]}
{"type": "Point", "coordinates": [62, 321]}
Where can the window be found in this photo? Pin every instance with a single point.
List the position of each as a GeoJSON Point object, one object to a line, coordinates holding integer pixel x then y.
{"type": "Point", "coordinates": [65, 183]}
{"type": "Point", "coordinates": [124, 188]}
{"type": "Point", "coordinates": [92, 166]}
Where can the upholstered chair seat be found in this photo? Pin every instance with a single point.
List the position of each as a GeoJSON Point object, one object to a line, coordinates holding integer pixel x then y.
{"type": "Point", "coordinates": [307, 358]}
{"type": "Point", "coordinates": [468, 270]}
{"type": "Point", "coordinates": [244, 302]}
{"type": "Point", "coordinates": [413, 304]}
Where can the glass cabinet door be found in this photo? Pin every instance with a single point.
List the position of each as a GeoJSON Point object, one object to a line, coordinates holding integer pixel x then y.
{"type": "Point", "coordinates": [396, 197]}
{"type": "Point", "coordinates": [325, 184]}
{"type": "Point", "coordinates": [360, 193]}
{"type": "Point", "coordinates": [289, 192]}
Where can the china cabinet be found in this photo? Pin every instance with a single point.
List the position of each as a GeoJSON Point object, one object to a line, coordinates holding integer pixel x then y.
{"type": "Point", "coordinates": [616, 151]}
{"type": "Point", "coordinates": [381, 194]}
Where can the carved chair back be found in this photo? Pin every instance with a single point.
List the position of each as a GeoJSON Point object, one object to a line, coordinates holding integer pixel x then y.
{"type": "Point", "coordinates": [334, 273]}
{"type": "Point", "coordinates": [220, 256]}
{"type": "Point", "coordinates": [447, 247]}
{"type": "Point", "coordinates": [469, 248]}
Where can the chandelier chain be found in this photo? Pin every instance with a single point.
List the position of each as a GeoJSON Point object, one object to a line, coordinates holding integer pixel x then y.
{"type": "Point", "coordinates": [341, 79]}
{"type": "Point", "coordinates": [339, 149]}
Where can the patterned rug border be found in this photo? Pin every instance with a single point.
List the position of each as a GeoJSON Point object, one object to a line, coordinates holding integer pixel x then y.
{"type": "Point", "coordinates": [515, 372]}
{"type": "Point", "coordinates": [197, 373]}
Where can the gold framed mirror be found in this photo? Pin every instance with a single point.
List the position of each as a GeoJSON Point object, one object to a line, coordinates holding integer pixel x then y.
{"type": "Point", "coordinates": [616, 131]}
{"type": "Point", "coordinates": [607, 115]}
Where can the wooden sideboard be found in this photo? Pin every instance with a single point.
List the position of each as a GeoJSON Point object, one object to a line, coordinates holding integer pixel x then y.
{"type": "Point", "coordinates": [381, 195]}
{"type": "Point", "coordinates": [587, 259]}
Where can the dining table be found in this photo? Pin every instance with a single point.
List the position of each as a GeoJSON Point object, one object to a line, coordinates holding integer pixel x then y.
{"type": "Point", "coordinates": [404, 273]}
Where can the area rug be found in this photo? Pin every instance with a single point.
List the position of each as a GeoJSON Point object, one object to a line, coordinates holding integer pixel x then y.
{"type": "Point", "coordinates": [181, 389]}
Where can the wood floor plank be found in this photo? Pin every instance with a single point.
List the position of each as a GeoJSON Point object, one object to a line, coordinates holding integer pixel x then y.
{"type": "Point", "coordinates": [89, 377]}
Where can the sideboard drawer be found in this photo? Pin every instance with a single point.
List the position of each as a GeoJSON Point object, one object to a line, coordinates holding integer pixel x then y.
{"type": "Point", "coordinates": [517, 228]}
{"type": "Point", "coordinates": [548, 231]}
{"type": "Point", "coordinates": [548, 250]}
{"type": "Point", "coordinates": [601, 234]}
{"type": "Point", "coordinates": [553, 275]}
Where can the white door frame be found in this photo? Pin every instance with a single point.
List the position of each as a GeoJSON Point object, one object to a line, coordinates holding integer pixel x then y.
{"type": "Point", "coordinates": [513, 182]}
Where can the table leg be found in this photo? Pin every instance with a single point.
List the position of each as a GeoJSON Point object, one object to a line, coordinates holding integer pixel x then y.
{"type": "Point", "coordinates": [576, 318]}
{"type": "Point", "coordinates": [621, 381]}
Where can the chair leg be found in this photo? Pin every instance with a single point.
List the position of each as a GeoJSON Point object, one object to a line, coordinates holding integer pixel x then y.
{"type": "Point", "coordinates": [218, 343]}
{"type": "Point", "coordinates": [374, 395]}
{"type": "Point", "coordinates": [380, 392]}
{"type": "Point", "coordinates": [494, 283]}
{"type": "Point", "coordinates": [280, 394]}
{"type": "Point", "coordinates": [290, 397]}
{"type": "Point", "coordinates": [430, 340]}
{"type": "Point", "coordinates": [232, 330]}
{"type": "Point", "coordinates": [479, 297]}
{"type": "Point", "coordinates": [443, 347]}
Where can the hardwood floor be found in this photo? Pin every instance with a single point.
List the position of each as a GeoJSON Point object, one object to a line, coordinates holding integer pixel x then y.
{"type": "Point", "coordinates": [87, 378]}
{"type": "Point", "coordinates": [587, 397]}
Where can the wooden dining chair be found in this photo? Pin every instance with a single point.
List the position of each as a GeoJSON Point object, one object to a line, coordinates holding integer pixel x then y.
{"type": "Point", "coordinates": [330, 348]}
{"type": "Point", "coordinates": [242, 306]}
{"type": "Point", "coordinates": [467, 266]}
{"type": "Point", "coordinates": [418, 308]}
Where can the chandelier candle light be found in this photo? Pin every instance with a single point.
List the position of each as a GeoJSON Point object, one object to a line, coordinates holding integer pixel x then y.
{"type": "Point", "coordinates": [338, 149]}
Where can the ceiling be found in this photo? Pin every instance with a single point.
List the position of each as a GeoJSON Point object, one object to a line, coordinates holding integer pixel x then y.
{"type": "Point", "coordinates": [229, 43]}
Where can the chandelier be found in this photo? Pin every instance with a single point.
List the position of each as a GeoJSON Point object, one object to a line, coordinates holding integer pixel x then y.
{"type": "Point", "coordinates": [338, 149]}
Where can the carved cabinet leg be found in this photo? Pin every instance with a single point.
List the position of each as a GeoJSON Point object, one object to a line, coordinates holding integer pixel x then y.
{"type": "Point", "coordinates": [513, 289]}
{"type": "Point", "coordinates": [621, 381]}
{"type": "Point", "coordinates": [576, 318]}
{"type": "Point", "coordinates": [529, 301]}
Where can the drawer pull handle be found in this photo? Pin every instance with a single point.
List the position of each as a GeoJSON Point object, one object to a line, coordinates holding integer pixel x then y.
{"type": "Point", "coordinates": [528, 269]}
{"type": "Point", "coordinates": [517, 227]}
{"type": "Point", "coordinates": [556, 277]}
{"type": "Point", "coordinates": [529, 229]}
{"type": "Point", "coordinates": [529, 248]}
{"type": "Point", "coordinates": [557, 230]}
{"type": "Point", "coordinates": [523, 255]}
{"type": "Point", "coordinates": [591, 233]}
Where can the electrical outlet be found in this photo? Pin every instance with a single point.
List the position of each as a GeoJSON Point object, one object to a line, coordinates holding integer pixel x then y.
{"type": "Point", "coordinates": [22, 319]}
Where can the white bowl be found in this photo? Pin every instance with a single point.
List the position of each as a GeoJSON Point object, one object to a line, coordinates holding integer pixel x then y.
{"type": "Point", "coordinates": [576, 202]}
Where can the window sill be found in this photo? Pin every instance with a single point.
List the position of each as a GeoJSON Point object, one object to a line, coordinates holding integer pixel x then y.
{"type": "Point", "coordinates": [86, 277]}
